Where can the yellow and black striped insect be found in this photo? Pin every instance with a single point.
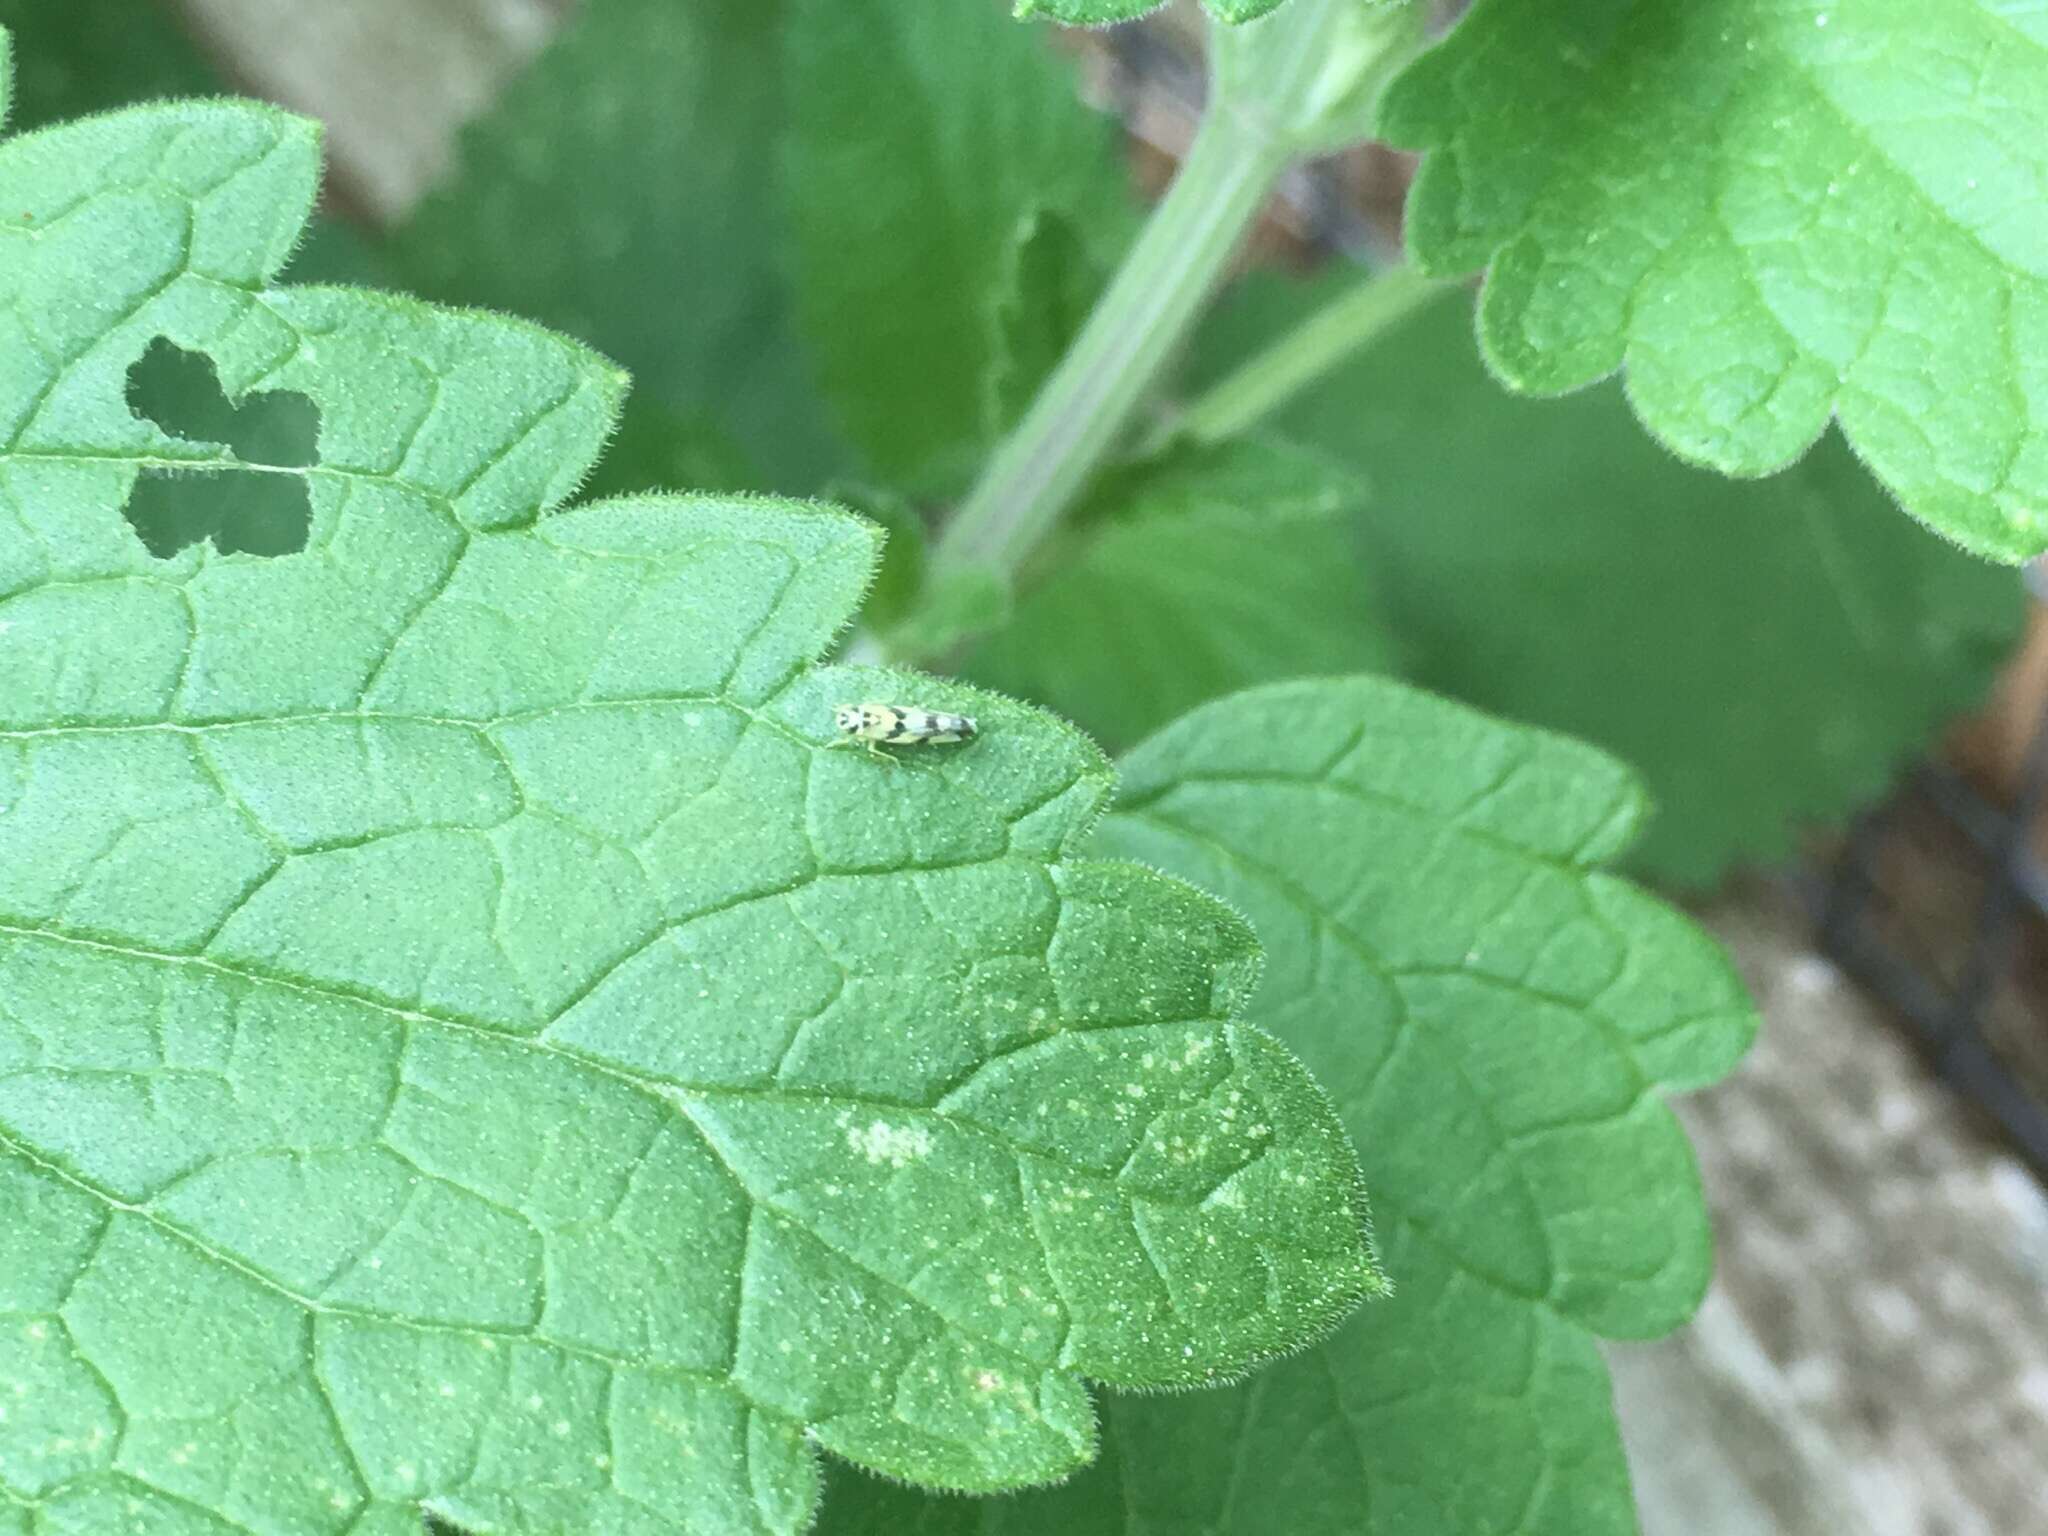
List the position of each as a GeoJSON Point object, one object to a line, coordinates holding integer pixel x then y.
{"type": "Point", "coordinates": [896, 725]}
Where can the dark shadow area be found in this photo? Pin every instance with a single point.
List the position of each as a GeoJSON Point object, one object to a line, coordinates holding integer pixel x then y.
{"type": "Point", "coordinates": [252, 511]}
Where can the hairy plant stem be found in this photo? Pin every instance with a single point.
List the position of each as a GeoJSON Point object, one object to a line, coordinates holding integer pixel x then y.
{"type": "Point", "coordinates": [1147, 310]}
{"type": "Point", "coordinates": [1300, 81]}
{"type": "Point", "coordinates": [1350, 324]}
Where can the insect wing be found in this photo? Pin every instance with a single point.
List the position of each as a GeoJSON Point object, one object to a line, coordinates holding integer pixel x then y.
{"type": "Point", "coordinates": [902, 726]}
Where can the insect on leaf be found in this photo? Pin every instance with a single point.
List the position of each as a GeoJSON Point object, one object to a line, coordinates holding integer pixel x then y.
{"type": "Point", "coordinates": [469, 1039]}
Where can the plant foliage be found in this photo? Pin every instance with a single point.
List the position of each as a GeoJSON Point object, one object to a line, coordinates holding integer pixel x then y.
{"type": "Point", "coordinates": [1499, 1019]}
{"type": "Point", "coordinates": [1190, 575]}
{"type": "Point", "coordinates": [480, 1047]}
{"type": "Point", "coordinates": [1545, 559]}
{"type": "Point", "coordinates": [968, 131]}
{"type": "Point", "coordinates": [469, 1038]}
{"type": "Point", "coordinates": [1773, 213]}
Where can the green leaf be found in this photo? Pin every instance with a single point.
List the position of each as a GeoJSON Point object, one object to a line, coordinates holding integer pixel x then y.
{"type": "Point", "coordinates": [1500, 1020]}
{"type": "Point", "coordinates": [1195, 574]}
{"type": "Point", "coordinates": [1545, 559]}
{"type": "Point", "coordinates": [468, 1037]}
{"type": "Point", "coordinates": [923, 137]}
{"type": "Point", "coordinates": [1771, 212]}
{"type": "Point", "coordinates": [912, 610]}
{"type": "Point", "coordinates": [952, 608]}
{"type": "Point", "coordinates": [625, 191]}
{"type": "Point", "coordinates": [82, 58]}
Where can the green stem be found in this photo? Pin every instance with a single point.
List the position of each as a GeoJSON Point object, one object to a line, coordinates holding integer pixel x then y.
{"type": "Point", "coordinates": [1313, 348]}
{"type": "Point", "coordinates": [1140, 320]}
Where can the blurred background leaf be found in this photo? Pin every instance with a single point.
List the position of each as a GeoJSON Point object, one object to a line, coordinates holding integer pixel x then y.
{"type": "Point", "coordinates": [943, 172]}
{"type": "Point", "coordinates": [1049, 283]}
{"type": "Point", "coordinates": [118, 55]}
{"type": "Point", "coordinates": [1765, 652]}
{"type": "Point", "coordinates": [1187, 576]}
{"type": "Point", "coordinates": [625, 190]}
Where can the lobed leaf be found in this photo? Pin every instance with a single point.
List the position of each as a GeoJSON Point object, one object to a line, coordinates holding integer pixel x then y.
{"type": "Point", "coordinates": [1500, 1020]}
{"type": "Point", "coordinates": [468, 1038]}
{"type": "Point", "coordinates": [1771, 213]}
{"type": "Point", "coordinates": [1548, 559]}
{"type": "Point", "coordinates": [79, 59]}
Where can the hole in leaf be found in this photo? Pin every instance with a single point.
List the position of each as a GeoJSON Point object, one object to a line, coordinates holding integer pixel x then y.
{"type": "Point", "coordinates": [253, 511]}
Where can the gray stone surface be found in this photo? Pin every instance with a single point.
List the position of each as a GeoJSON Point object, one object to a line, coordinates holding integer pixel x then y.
{"type": "Point", "coordinates": [392, 79]}
{"type": "Point", "coordinates": [1873, 1360]}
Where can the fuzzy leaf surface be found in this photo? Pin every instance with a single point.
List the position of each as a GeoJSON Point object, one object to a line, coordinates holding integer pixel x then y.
{"type": "Point", "coordinates": [469, 1038]}
{"type": "Point", "coordinates": [1500, 1019]}
{"type": "Point", "coordinates": [1771, 213]}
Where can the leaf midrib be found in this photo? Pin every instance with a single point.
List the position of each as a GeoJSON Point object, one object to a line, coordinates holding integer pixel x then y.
{"type": "Point", "coordinates": [670, 1093]}
{"type": "Point", "coordinates": [672, 1104]}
